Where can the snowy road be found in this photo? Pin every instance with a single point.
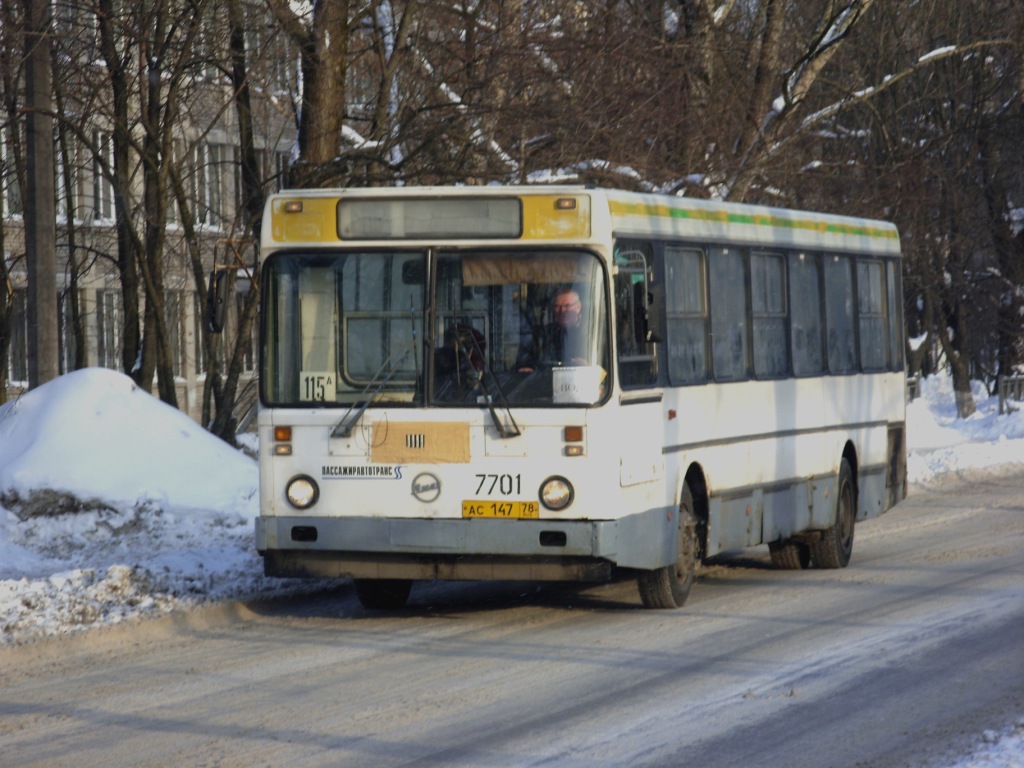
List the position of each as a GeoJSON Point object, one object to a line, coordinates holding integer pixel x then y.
{"type": "Point", "coordinates": [902, 659]}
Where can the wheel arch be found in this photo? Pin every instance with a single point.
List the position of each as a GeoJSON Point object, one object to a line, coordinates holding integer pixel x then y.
{"type": "Point", "coordinates": [696, 480]}
{"type": "Point", "coordinates": [850, 454]}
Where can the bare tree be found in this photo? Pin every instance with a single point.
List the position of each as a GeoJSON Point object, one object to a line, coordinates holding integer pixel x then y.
{"type": "Point", "coordinates": [12, 167]}
{"type": "Point", "coordinates": [322, 40]}
{"type": "Point", "coordinates": [40, 231]}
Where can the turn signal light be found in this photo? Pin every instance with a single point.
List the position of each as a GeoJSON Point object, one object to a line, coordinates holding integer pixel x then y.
{"type": "Point", "coordinates": [283, 445]}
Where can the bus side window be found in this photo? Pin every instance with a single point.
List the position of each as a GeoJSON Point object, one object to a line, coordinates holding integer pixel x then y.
{"type": "Point", "coordinates": [728, 289]}
{"type": "Point", "coordinates": [871, 306]}
{"type": "Point", "coordinates": [636, 358]}
{"type": "Point", "coordinates": [842, 348]}
{"type": "Point", "coordinates": [805, 314]}
{"type": "Point", "coordinates": [768, 298]}
{"type": "Point", "coordinates": [896, 337]}
{"type": "Point", "coordinates": [686, 315]}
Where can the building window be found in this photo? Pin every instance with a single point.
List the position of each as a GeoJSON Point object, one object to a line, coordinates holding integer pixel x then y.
{"type": "Point", "coordinates": [174, 323]}
{"type": "Point", "coordinates": [198, 310]}
{"type": "Point", "coordinates": [282, 165]}
{"type": "Point", "coordinates": [208, 164]}
{"type": "Point", "coordinates": [68, 179]}
{"type": "Point", "coordinates": [17, 351]}
{"type": "Point", "coordinates": [66, 333]}
{"type": "Point", "coordinates": [10, 187]}
{"type": "Point", "coordinates": [109, 321]}
{"type": "Point", "coordinates": [103, 166]}
{"type": "Point", "coordinates": [249, 343]}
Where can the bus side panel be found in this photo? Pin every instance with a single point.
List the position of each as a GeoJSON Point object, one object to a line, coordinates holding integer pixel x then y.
{"type": "Point", "coordinates": [787, 511]}
{"type": "Point", "coordinates": [755, 516]}
{"type": "Point", "coordinates": [735, 521]}
{"type": "Point", "coordinates": [872, 495]}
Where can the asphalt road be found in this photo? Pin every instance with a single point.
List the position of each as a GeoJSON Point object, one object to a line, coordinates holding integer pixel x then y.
{"type": "Point", "coordinates": [902, 659]}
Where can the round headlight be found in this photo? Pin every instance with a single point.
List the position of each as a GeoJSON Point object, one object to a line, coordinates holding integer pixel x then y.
{"type": "Point", "coordinates": [556, 493]}
{"type": "Point", "coordinates": [303, 492]}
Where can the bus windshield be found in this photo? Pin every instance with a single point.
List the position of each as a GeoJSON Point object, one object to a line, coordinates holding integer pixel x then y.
{"type": "Point", "coordinates": [506, 328]}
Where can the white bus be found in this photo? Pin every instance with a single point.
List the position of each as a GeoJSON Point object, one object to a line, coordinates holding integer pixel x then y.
{"type": "Point", "coordinates": [562, 383]}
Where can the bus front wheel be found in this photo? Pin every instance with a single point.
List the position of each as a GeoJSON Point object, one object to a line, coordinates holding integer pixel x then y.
{"type": "Point", "coordinates": [668, 587]}
{"type": "Point", "coordinates": [383, 594]}
{"type": "Point", "coordinates": [835, 544]}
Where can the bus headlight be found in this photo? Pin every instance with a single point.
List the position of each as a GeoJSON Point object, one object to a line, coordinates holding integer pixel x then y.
{"type": "Point", "coordinates": [556, 493]}
{"type": "Point", "coordinates": [303, 492]}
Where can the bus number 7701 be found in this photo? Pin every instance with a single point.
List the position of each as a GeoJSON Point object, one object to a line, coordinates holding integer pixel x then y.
{"type": "Point", "coordinates": [505, 485]}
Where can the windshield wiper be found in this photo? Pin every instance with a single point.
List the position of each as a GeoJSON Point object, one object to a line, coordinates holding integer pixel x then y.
{"type": "Point", "coordinates": [481, 380]}
{"type": "Point", "coordinates": [344, 427]}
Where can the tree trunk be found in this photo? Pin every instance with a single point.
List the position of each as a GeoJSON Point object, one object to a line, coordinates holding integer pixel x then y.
{"type": "Point", "coordinates": [40, 216]}
{"type": "Point", "coordinates": [127, 256]}
{"type": "Point", "coordinates": [959, 365]}
{"type": "Point", "coordinates": [154, 156]}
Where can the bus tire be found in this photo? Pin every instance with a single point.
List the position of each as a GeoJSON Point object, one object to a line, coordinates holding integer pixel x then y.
{"type": "Point", "coordinates": [790, 554]}
{"type": "Point", "coordinates": [832, 549]}
{"type": "Point", "coordinates": [383, 594]}
{"type": "Point", "coordinates": [669, 586]}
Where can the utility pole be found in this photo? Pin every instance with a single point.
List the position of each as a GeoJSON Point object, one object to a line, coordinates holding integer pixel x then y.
{"type": "Point", "coordinates": [40, 213]}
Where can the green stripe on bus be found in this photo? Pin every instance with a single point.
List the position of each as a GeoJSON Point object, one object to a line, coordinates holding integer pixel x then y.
{"type": "Point", "coordinates": [758, 220]}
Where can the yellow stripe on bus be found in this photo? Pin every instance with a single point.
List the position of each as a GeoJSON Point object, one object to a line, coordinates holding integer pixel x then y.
{"type": "Point", "coordinates": [619, 208]}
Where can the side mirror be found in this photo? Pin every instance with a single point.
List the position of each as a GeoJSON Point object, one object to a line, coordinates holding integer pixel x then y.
{"type": "Point", "coordinates": [217, 295]}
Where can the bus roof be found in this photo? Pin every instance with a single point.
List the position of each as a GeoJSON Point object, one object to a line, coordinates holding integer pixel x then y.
{"type": "Point", "coordinates": [556, 213]}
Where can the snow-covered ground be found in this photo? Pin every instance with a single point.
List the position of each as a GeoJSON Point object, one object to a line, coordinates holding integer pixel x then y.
{"type": "Point", "coordinates": [114, 505]}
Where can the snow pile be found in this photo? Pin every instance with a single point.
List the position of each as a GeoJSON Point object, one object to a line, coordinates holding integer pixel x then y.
{"type": "Point", "coordinates": [115, 505]}
{"type": "Point", "coordinates": [940, 446]}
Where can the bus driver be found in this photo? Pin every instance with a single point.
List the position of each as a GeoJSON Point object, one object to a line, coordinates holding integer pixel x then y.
{"type": "Point", "coordinates": [563, 341]}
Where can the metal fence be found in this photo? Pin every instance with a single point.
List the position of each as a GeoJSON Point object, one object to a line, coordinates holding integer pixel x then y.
{"type": "Point", "coordinates": [1011, 392]}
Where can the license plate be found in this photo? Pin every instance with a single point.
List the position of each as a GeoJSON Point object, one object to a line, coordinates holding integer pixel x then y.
{"type": "Point", "coordinates": [511, 510]}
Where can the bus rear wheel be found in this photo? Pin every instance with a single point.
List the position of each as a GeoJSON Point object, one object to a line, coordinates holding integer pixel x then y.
{"type": "Point", "coordinates": [383, 594]}
{"type": "Point", "coordinates": [835, 545]}
{"type": "Point", "coordinates": [790, 554]}
{"type": "Point", "coordinates": [669, 586]}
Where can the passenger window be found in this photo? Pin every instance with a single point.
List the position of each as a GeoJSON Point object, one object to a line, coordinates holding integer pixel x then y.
{"type": "Point", "coordinates": [842, 351]}
{"type": "Point", "coordinates": [728, 287]}
{"type": "Point", "coordinates": [896, 340]}
{"type": "Point", "coordinates": [686, 315]}
{"type": "Point", "coordinates": [805, 314]}
{"type": "Point", "coordinates": [768, 300]}
{"type": "Point", "coordinates": [871, 302]}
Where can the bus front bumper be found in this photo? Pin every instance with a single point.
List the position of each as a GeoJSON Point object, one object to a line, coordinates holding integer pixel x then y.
{"type": "Point", "coordinates": [544, 550]}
